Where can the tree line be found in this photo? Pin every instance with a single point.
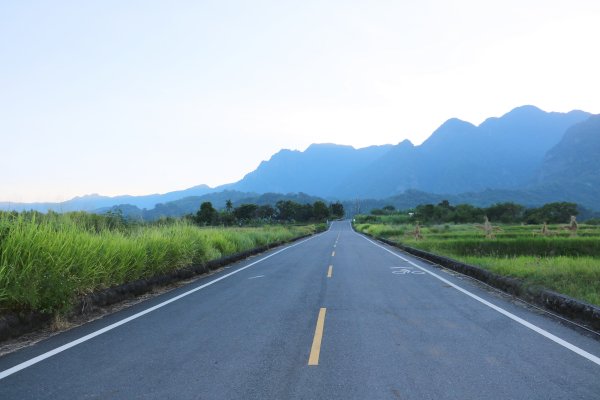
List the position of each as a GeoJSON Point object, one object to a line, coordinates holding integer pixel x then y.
{"type": "Point", "coordinates": [508, 213]}
{"type": "Point", "coordinates": [284, 211]}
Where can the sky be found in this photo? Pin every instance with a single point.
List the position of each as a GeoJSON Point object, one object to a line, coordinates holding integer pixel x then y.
{"type": "Point", "coordinates": [138, 97]}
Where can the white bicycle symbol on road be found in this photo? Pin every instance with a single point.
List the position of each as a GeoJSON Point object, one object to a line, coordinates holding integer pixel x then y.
{"type": "Point", "coordinates": [405, 270]}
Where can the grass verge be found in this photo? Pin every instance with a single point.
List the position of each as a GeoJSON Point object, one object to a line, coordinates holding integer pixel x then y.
{"type": "Point", "coordinates": [48, 262]}
{"type": "Point", "coordinates": [564, 264]}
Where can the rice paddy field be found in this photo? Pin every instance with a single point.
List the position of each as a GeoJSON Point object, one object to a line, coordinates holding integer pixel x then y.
{"type": "Point", "coordinates": [559, 261]}
{"type": "Point", "coordinates": [48, 261]}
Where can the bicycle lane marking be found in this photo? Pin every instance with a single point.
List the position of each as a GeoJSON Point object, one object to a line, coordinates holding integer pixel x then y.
{"type": "Point", "coordinates": [527, 324]}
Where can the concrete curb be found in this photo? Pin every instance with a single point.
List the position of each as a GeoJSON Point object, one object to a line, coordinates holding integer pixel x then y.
{"type": "Point", "coordinates": [568, 307]}
{"type": "Point", "coordinates": [18, 323]}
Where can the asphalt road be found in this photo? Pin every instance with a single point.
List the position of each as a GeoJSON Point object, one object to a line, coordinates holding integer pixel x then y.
{"type": "Point", "coordinates": [336, 316]}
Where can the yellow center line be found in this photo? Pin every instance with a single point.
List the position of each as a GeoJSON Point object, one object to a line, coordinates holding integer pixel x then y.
{"type": "Point", "coordinates": [315, 350]}
{"type": "Point", "coordinates": [330, 271]}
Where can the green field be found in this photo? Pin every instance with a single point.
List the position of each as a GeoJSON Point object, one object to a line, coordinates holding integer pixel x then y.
{"type": "Point", "coordinates": [559, 262]}
{"type": "Point", "coordinates": [48, 261]}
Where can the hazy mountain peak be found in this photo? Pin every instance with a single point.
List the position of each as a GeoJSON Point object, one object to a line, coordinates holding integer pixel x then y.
{"type": "Point", "coordinates": [202, 186]}
{"type": "Point", "coordinates": [522, 113]}
{"type": "Point", "coordinates": [531, 116]}
{"type": "Point", "coordinates": [406, 143]}
{"type": "Point", "coordinates": [318, 169]}
{"type": "Point", "coordinates": [525, 109]}
{"type": "Point", "coordinates": [451, 126]}
{"type": "Point", "coordinates": [327, 146]}
{"type": "Point", "coordinates": [87, 196]}
{"type": "Point", "coordinates": [282, 153]}
{"type": "Point", "coordinates": [455, 123]}
{"type": "Point", "coordinates": [450, 130]}
{"type": "Point", "coordinates": [576, 156]}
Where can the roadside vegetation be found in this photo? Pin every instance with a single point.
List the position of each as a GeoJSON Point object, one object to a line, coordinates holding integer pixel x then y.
{"type": "Point", "coordinates": [285, 211]}
{"type": "Point", "coordinates": [48, 261]}
{"type": "Point", "coordinates": [540, 246]}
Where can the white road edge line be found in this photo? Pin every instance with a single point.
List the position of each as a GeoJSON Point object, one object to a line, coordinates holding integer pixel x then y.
{"type": "Point", "coordinates": [99, 332]}
{"type": "Point", "coordinates": [535, 328]}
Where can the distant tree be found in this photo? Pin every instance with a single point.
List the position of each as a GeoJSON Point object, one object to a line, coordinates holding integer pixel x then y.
{"type": "Point", "coordinates": [227, 218]}
{"type": "Point", "coordinates": [206, 215]}
{"type": "Point", "coordinates": [228, 205]}
{"type": "Point", "coordinates": [387, 210]}
{"type": "Point", "coordinates": [586, 214]}
{"type": "Point", "coordinates": [464, 213]}
{"type": "Point", "coordinates": [320, 211]}
{"type": "Point", "coordinates": [286, 210]}
{"type": "Point", "coordinates": [304, 213]}
{"type": "Point", "coordinates": [115, 218]}
{"type": "Point", "coordinates": [445, 204]}
{"type": "Point", "coordinates": [505, 212]}
{"type": "Point", "coordinates": [444, 212]}
{"type": "Point", "coordinates": [265, 212]}
{"type": "Point", "coordinates": [552, 213]}
{"type": "Point", "coordinates": [426, 213]}
{"type": "Point", "coordinates": [245, 212]}
{"type": "Point", "coordinates": [337, 210]}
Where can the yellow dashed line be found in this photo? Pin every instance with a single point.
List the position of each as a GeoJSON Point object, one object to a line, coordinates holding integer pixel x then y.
{"type": "Point", "coordinates": [315, 350]}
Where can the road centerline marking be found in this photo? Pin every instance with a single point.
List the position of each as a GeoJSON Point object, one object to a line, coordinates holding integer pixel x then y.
{"type": "Point", "coordinates": [333, 254]}
{"type": "Point", "coordinates": [527, 324]}
{"type": "Point", "coordinates": [315, 349]}
{"type": "Point", "coordinates": [330, 271]}
{"type": "Point", "coordinates": [60, 349]}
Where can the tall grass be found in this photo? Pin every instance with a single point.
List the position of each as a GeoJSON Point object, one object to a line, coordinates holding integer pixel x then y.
{"type": "Point", "coordinates": [569, 265]}
{"type": "Point", "coordinates": [542, 247]}
{"type": "Point", "coordinates": [46, 262]}
{"type": "Point", "coordinates": [578, 277]}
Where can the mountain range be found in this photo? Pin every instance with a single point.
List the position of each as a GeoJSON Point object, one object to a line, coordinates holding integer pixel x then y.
{"type": "Point", "coordinates": [528, 156]}
{"type": "Point", "coordinates": [459, 157]}
{"type": "Point", "coordinates": [93, 202]}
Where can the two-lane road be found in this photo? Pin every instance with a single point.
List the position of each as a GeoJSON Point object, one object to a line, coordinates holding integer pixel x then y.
{"type": "Point", "coordinates": [336, 316]}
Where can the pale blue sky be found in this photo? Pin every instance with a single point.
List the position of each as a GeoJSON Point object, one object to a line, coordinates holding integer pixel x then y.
{"type": "Point", "coordinates": [136, 97]}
